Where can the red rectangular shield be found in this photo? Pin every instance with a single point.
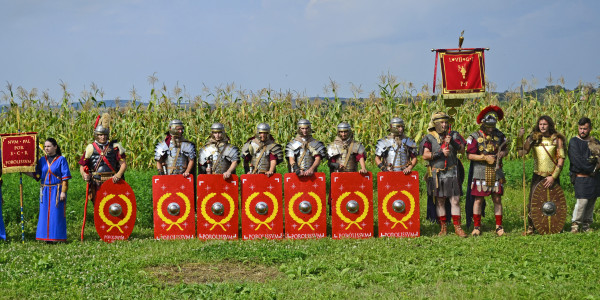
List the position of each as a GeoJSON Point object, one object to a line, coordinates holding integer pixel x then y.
{"type": "Point", "coordinates": [173, 198]}
{"type": "Point", "coordinates": [262, 206]}
{"type": "Point", "coordinates": [398, 204]}
{"type": "Point", "coordinates": [218, 207]}
{"type": "Point", "coordinates": [352, 208]}
{"type": "Point", "coordinates": [305, 208]}
{"type": "Point", "coordinates": [463, 73]}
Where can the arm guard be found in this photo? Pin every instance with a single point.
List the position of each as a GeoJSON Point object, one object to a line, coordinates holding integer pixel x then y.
{"type": "Point", "coordinates": [437, 155]}
{"type": "Point", "coordinates": [556, 172]}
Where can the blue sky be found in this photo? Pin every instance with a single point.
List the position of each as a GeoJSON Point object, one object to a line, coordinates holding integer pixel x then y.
{"type": "Point", "coordinates": [287, 45]}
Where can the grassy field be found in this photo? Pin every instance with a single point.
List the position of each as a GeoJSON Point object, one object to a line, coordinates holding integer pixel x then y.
{"type": "Point", "coordinates": [556, 266]}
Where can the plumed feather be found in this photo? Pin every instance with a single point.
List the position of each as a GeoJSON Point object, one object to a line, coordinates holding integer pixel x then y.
{"type": "Point", "coordinates": [105, 120]}
{"type": "Point", "coordinates": [96, 123]}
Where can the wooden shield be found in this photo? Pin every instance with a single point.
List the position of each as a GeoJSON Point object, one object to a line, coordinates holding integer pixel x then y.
{"type": "Point", "coordinates": [173, 191]}
{"type": "Point", "coordinates": [118, 196]}
{"type": "Point", "coordinates": [347, 187]}
{"type": "Point", "coordinates": [306, 192]}
{"type": "Point", "coordinates": [548, 209]}
{"type": "Point", "coordinates": [257, 190]}
{"type": "Point", "coordinates": [213, 192]}
{"type": "Point", "coordinates": [401, 220]}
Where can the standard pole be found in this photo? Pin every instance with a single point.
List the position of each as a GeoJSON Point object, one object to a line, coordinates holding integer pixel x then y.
{"type": "Point", "coordinates": [523, 160]}
{"type": "Point", "coordinates": [22, 218]}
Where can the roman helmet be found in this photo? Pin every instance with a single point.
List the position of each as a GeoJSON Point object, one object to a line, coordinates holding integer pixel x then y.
{"type": "Point", "coordinates": [436, 119]}
{"type": "Point", "coordinates": [263, 127]}
{"type": "Point", "coordinates": [217, 127]}
{"type": "Point", "coordinates": [394, 123]}
{"type": "Point", "coordinates": [102, 126]}
{"type": "Point", "coordinates": [173, 126]}
{"type": "Point", "coordinates": [489, 116]}
{"type": "Point", "coordinates": [344, 127]}
{"type": "Point", "coordinates": [303, 123]}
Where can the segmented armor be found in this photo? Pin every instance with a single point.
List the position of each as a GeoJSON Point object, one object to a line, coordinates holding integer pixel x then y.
{"type": "Point", "coordinates": [219, 156]}
{"type": "Point", "coordinates": [305, 151]}
{"type": "Point", "coordinates": [259, 153]}
{"type": "Point", "coordinates": [486, 176]}
{"type": "Point", "coordinates": [345, 152]}
{"type": "Point", "coordinates": [175, 158]}
{"type": "Point", "coordinates": [396, 152]}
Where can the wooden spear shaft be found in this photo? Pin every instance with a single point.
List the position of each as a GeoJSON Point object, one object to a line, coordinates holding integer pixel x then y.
{"type": "Point", "coordinates": [523, 160]}
{"type": "Point", "coordinates": [21, 184]}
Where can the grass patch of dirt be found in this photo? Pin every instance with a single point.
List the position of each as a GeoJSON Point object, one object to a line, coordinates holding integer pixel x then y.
{"type": "Point", "coordinates": [223, 271]}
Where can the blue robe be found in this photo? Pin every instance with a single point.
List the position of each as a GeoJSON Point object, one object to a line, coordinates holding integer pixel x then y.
{"type": "Point", "coordinates": [52, 223]}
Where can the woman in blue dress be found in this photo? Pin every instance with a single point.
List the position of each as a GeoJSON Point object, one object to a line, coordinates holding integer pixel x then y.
{"type": "Point", "coordinates": [53, 172]}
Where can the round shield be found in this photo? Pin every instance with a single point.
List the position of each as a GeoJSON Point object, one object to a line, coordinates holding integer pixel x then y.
{"type": "Point", "coordinates": [548, 209]}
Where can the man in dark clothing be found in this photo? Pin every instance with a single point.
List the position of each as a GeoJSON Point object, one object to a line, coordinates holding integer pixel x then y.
{"type": "Point", "coordinates": [584, 165]}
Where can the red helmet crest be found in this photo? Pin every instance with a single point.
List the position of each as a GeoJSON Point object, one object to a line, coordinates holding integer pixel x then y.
{"type": "Point", "coordinates": [492, 109]}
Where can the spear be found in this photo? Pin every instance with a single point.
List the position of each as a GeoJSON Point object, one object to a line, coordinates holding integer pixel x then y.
{"type": "Point", "coordinates": [524, 184]}
{"type": "Point", "coordinates": [21, 184]}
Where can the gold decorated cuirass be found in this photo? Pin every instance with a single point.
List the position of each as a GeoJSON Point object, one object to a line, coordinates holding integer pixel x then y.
{"type": "Point", "coordinates": [543, 164]}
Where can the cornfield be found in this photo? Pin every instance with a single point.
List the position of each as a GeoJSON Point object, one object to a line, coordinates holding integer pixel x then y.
{"type": "Point", "coordinates": [142, 122]}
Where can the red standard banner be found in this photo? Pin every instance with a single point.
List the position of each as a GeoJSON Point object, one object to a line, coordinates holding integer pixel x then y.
{"type": "Point", "coordinates": [305, 208]}
{"type": "Point", "coordinates": [173, 197]}
{"type": "Point", "coordinates": [217, 207]}
{"type": "Point", "coordinates": [262, 206]}
{"type": "Point", "coordinates": [398, 204]}
{"type": "Point", "coordinates": [114, 211]}
{"type": "Point", "coordinates": [352, 208]}
{"type": "Point", "coordinates": [463, 73]}
{"type": "Point", "coordinates": [19, 152]}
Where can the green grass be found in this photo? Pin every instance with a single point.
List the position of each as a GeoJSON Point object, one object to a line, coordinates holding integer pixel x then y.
{"type": "Point", "coordinates": [554, 266]}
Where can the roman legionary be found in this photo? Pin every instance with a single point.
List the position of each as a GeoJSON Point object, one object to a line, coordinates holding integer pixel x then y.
{"type": "Point", "coordinates": [175, 154]}
{"type": "Point", "coordinates": [102, 159]}
{"type": "Point", "coordinates": [219, 156]}
{"type": "Point", "coordinates": [396, 152]}
{"type": "Point", "coordinates": [440, 148]}
{"type": "Point", "coordinates": [584, 152]}
{"type": "Point", "coordinates": [485, 149]}
{"type": "Point", "coordinates": [548, 156]}
{"type": "Point", "coordinates": [345, 153]}
{"type": "Point", "coordinates": [260, 153]}
{"type": "Point", "coordinates": [304, 153]}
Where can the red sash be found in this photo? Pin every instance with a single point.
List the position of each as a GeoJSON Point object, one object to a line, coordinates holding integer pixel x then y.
{"type": "Point", "coordinates": [102, 155]}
